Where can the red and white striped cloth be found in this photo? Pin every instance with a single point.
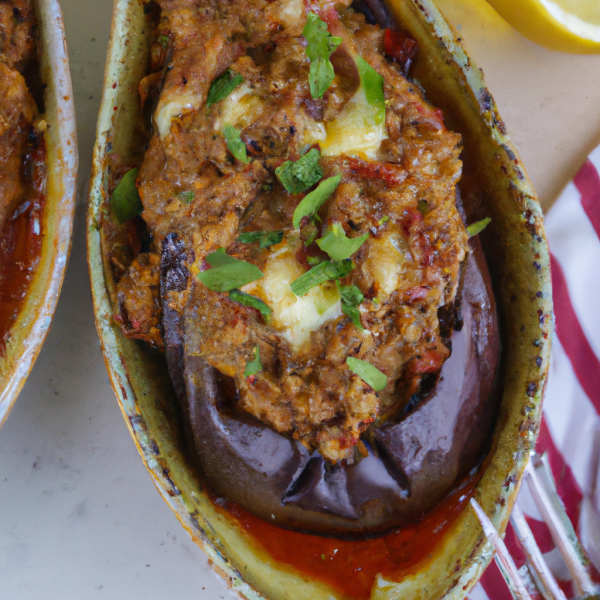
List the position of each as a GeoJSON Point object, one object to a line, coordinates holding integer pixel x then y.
{"type": "Point", "coordinates": [570, 432]}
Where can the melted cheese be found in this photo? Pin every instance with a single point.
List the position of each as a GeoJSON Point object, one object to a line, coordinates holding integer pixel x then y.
{"type": "Point", "coordinates": [384, 262]}
{"type": "Point", "coordinates": [357, 129]}
{"type": "Point", "coordinates": [177, 105]}
{"type": "Point", "coordinates": [239, 109]}
{"type": "Point", "coordinates": [288, 12]}
{"type": "Point", "coordinates": [294, 317]}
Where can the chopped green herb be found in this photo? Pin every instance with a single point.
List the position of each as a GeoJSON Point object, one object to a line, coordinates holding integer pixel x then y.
{"type": "Point", "coordinates": [423, 207]}
{"type": "Point", "coordinates": [264, 238]}
{"type": "Point", "coordinates": [125, 200]}
{"type": "Point", "coordinates": [478, 227]}
{"type": "Point", "coordinates": [186, 197]}
{"type": "Point", "coordinates": [253, 366]}
{"type": "Point", "coordinates": [321, 44]}
{"type": "Point", "coordinates": [383, 220]}
{"type": "Point", "coordinates": [222, 86]}
{"type": "Point", "coordinates": [313, 260]}
{"type": "Point", "coordinates": [234, 143]}
{"type": "Point", "coordinates": [338, 246]}
{"type": "Point", "coordinates": [251, 301]}
{"type": "Point", "coordinates": [372, 83]}
{"type": "Point", "coordinates": [368, 373]}
{"type": "Point", "coordinates": [219, 258]}
{"type": "Point", "coordinates": [228, 273]}
{"type": "Point", "coordinates": [309, 231]}
{"type": "Point", "coordinates": [311, 203]}
{"type": "Point", "coordinates": [320, 274]}
{"type": "Point", "coordinates": [301, 175]}
{"type": "Point", "coordinates": [163, 40]}
{"type": "Point", "coordinates": [352, 297]}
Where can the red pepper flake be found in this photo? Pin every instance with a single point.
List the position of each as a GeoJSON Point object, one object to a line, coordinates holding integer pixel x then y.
{"type": "Point", "coordinates": [388, 173]}
{"type": "Point", "coordinates": [251, 379]}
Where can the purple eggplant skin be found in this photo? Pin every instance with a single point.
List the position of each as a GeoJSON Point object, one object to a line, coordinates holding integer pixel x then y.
{"type": "Point", "coordinates": [412, 463]}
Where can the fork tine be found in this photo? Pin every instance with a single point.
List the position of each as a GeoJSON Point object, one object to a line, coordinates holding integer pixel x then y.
{"type": "Point", "coordinates": [572, 552]}
{"type": "Point", "coordinates": [546, 582]}
{"type": "Point", "coordinates": [503, 558]}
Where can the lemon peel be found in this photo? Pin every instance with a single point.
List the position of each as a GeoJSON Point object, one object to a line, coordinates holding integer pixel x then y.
{"type": "Point", "coordinates": [566, 25]}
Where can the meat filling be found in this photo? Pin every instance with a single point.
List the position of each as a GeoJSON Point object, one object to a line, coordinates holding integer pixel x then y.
{"type": "Point", "coordinates": [394, 205]}
{"type": "Point", "coordinates": [17, 107]}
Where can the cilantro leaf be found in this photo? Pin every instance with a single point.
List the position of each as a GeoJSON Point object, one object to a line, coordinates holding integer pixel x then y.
{"type": "Point", "coordinates": [264, 238]}
{"type": "Point", "coordinates": [301, 175]}
{"type": "Point", "coordinates": [254, 366]}
{"type": "Point", "coordinates": [234, 143]}
{"type": "Point", "coordinates": [321, 44]}
{"type": "Point", "coordinates": [372, 83]}
{"type": "Point", "coordinates": [311, 203]}
{"type": "Point", "coordinates": [251, 301]}
{"type": "Point", "coordinates": [320, 274]}
{"type": "Point", "coordinates": [228, 273]}
{"type": "Point", "coordinates": [125, 200]}
{"type": "Point", "coordinates": [352, 297]}
{"type": "Point", "coordinates": [338, 246]}
{"type": "Point", "coordinates": [368, 373]}
{"type": "Point", "coordinates": [222, 86]}
{"type": "Point", "coordinates": [476, 228]}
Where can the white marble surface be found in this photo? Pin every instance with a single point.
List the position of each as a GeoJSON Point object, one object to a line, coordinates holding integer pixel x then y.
{"type": "Point", "coordinates": [79, 516]}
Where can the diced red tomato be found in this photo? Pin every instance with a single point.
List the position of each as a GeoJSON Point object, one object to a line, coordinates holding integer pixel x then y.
{"type": "Point", "coordinates": [400, 46]}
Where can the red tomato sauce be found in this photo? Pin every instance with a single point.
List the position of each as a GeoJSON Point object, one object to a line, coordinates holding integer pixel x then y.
{"type": "Point", "coordinates": [20, 248]}
{"type": "Point", "coordinates": [351, 567]}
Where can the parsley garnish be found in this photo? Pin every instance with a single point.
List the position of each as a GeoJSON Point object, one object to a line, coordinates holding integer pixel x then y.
{"type": "Point", "coordinates": [164, 41]}
{"type": "Point", "coordinates": [299, 176]}
{"type": "Point", "coordinates": [372, 83]}
{"type": "Point", "coordinates": [125, 200]}
{"type": "Point", "coordinates": [228, 273]}
{"type": "Point", "coordinates": [478, 227]}
{"type": "Point", "coordinates": [251, 301]}
{"type": "Point", "coordinates": [222, 86]}
{"type": "Point", "coordinates": [311, 203]}
{"type": "Point", "coordinates": [352, 297]}
{"type": "Point", "coordinates": [320, 274]}
{"type": "Point", "coordinates": [423, 207]}
{"type": "Point", "coordinates": [321, 44]}
{"type": "Point", "coordinates": [253, 366]}
{"type": "Point", "coordinates": [338, 246]}
{"type": "Point", "coordinates": [186, 197]}
{"type": "Point", "coordinates": [368, 373]}
{"type": "Point", "coordinates": [264, 238]}
{"type": "Point", "coordinates": [234, 143]}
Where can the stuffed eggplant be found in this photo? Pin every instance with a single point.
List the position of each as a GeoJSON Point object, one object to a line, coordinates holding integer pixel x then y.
{"type": "Point", "coordinates": [292, 243]}
{"type": "Point", "coordinates": [38, 155]}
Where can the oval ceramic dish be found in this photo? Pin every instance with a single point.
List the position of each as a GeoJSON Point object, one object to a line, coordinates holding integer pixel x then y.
{"type": "Point", "coordinates": [516, 251]}
{"type": "Point", "coordinates": [26, 335]}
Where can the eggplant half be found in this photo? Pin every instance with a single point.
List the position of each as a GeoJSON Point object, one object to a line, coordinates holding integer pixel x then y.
{"type": "Point", "coordinates": [40, 225]}
{"type": "Point", "coordinates": [494, 184]}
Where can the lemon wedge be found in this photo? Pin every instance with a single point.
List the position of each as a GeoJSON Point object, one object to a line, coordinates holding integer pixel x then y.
{"type": "Point", "coordinates": [566, 25]}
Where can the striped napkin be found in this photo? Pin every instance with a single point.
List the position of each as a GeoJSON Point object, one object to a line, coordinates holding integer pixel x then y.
{"type": "Point", "coordinates": [570, 431]}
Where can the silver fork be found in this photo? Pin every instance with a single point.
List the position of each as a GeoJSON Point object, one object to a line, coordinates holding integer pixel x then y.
{"type": "Point", "coordinates": [552, 511]}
